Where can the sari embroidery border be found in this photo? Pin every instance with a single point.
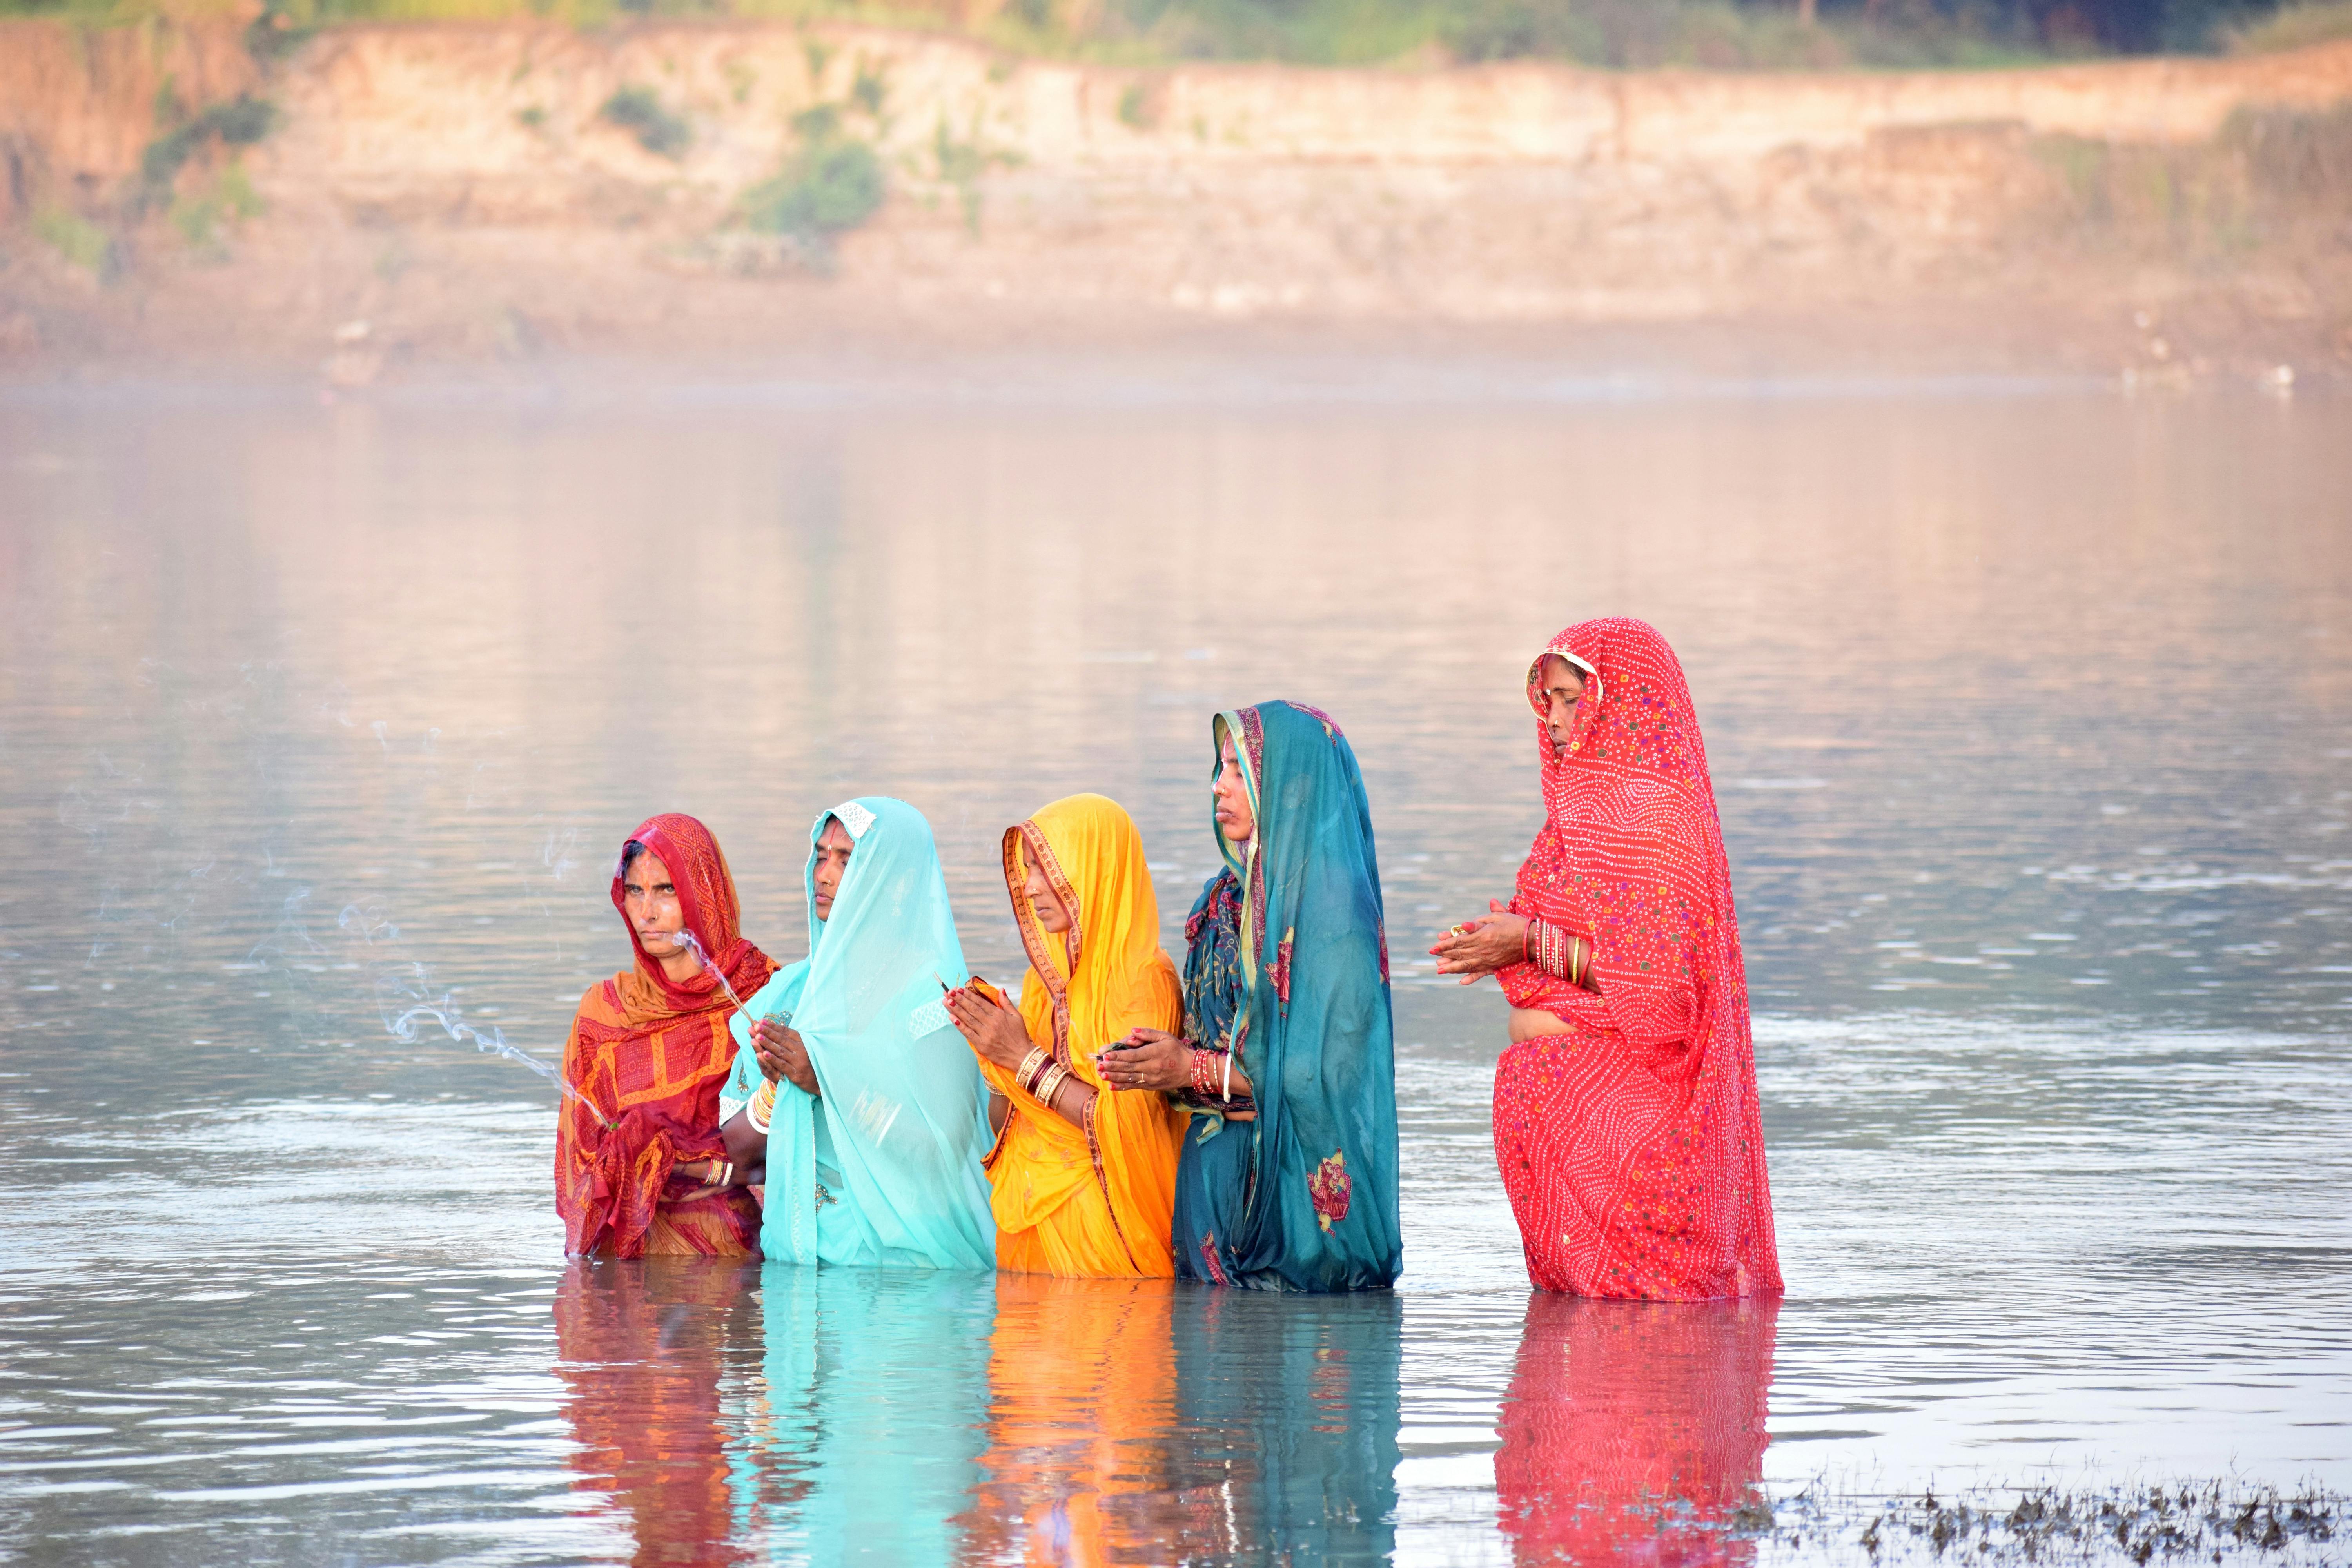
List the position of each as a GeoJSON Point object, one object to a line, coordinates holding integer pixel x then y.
{"type": "Point", "coordinates": [1033, 935]}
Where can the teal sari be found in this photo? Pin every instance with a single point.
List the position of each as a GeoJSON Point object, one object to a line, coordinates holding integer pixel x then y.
{"type": "Point", "coordinates": [1287, 965]}
{"type": "Point", "coordinates": [883, 1167]}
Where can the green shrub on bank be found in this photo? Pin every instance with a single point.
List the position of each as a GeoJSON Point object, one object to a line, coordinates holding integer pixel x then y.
{"type": "Point", "coordinates": [832, 182]}
{"type": "Point", "coordinates": [636, 111]}
{"type": "Point", "coordinates": [230, 198]}
{"type": "Point", "coordinates": [240, 123]}
{"type": "Point", "coordinates": [81, 242]}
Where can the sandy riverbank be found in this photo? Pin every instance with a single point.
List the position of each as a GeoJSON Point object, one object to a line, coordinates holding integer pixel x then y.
{"type": "Point", "coordinates": [437, 195]}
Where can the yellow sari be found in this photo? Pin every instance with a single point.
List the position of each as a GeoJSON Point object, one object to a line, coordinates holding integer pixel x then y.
{"type": "Point", "coordinates": [1092, 1200]}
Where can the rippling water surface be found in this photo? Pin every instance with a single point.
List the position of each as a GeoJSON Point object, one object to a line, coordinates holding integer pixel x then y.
{"type": "Point", "coordinates": [2031, 718]}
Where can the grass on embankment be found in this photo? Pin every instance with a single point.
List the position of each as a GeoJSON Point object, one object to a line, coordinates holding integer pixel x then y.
{"type": "Point", "coordinates": [2294, 28]}
{"type": "Point", "coordinates": [1726, 35]}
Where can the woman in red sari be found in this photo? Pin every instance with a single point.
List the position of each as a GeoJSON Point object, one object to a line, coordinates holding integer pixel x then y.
{"type": "Point", "coordinates": [1625, 1114]}
{"type": "Point", "coordinates": [645, 1171]}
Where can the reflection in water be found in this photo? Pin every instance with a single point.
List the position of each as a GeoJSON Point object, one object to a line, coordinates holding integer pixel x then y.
{"type": "Point", "coordinates": [642, 1347]}
{"type": "Point", "coordinates": [1082, 1385]}
{"type": "Point", "coordinates": [863, 1440]}
{"type": "Point", "coordinates": [2029, 946]}
{"type": "Point", "coordinates": [1145, 1421]}
{"type": "Point", "coordinates": [1289, 1405]}
{"type": "Point", "coordinates": [793, 1414]}
{"type": "Point", "coordinates": [1634, 1430]}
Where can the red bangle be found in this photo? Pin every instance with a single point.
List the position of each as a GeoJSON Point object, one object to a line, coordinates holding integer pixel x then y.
{"type": "Point", "coordinates": [1204, 1073]}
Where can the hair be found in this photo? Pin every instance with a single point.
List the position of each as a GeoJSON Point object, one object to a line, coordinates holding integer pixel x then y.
{"type": "Point", "coordinates": [1576, 667]}
{"type": "Point", "coordinates": [629, 853]}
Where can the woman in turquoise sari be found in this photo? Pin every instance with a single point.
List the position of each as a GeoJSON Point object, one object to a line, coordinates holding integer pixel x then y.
{"type": "Point", "coordinates": [856, 1092]}
{"type": "Point", "coordinates": [1288, 1181]}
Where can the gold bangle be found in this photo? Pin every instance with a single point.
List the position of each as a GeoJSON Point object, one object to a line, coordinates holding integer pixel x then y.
{"type": "Point", "coordinates": [1031, 1065]}
{"type": "Point", "coordinates": [1049, 1083]}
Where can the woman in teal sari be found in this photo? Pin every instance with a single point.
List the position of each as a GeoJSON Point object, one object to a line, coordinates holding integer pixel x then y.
{"type": "Point", "coordinates": [856, 1092]}
{"type": "Point", "coordinates": [1289, 1180]}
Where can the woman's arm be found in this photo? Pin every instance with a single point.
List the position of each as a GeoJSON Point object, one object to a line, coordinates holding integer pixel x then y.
{"type": "Point", "coordinates": [999, 1037]}
{"type": "Point", "coordinates": [783, 1057]}
{"type": "Point", "coordinates": [747, 1146]}
{"type": "Point", "coordinates": [1156, 1060]}
{"type": "Point", "coordinates": [1477, 948]}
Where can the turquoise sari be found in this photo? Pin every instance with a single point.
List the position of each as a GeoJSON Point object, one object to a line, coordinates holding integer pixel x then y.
{"type": "Point", "coordinates": [884, 1166]}
{"type": "Point", "coordinates": [1287, 965]}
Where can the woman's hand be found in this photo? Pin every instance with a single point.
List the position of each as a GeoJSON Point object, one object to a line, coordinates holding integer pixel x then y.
{"type": "Point", "coordinates": [1147, 1059]}
{"type": "Point", "coordinates": [1477, 948]}
{"type": "Point", "coordinates": [703, 1175]}
{"type": "Point", "coordinates": [996, 1032]}
{"type": "Point", "coordinates": [784, 1054]}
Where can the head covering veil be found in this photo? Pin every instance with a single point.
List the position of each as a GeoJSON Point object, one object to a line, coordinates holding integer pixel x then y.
{"type": "Point", "coordinates": [650, 1053]}
{"type": "Point", "coordinates": [905, 1110]}
{"type": "Point", "coordinates": [1648, 1132]}
{"type": "Point", "coordinates": [1305, 1197]}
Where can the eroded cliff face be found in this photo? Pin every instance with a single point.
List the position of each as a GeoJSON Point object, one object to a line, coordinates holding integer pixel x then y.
{"type": "Point", "coordinates": [459, 188]}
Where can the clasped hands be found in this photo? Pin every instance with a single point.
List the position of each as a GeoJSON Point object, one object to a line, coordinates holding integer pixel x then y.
{"type": "Point", "coordinates": [1476, 948]}
{"type": "Point", "coordinates": [1147, 1059]}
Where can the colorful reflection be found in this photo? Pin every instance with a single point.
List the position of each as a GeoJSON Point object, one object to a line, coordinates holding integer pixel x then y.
{"type": "Point", "coordinates": [864, 1428]}
{"type": "Point", "coordinates": [1632, 1431]}
{"type": "Point", "coordinates": [1149, 1421]}
{"type": "Point", "coordinates": [732, 1413]}
{"type": "Point", "coordinates": [645, 1350]}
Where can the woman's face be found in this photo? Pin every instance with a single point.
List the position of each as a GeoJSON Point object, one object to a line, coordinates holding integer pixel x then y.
{"type": "Point", "coordinates": [1052, 913]}
{"type": "Point", "coordinates": [1563, 688]}
{"type": "Point", "coordinates": [1234, 818]}
{"type": "Point", "coordinates": [650, 901]}
{"type": "Point", "coordinates": [833, 850]}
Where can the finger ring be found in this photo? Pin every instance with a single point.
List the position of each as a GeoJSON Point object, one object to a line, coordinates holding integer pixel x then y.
{"type": "Point", "coordinates": [1455, 931]}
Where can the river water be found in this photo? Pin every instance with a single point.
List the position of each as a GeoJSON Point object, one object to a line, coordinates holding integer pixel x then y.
{"type": "Point", "coordinates": [2030, 711]}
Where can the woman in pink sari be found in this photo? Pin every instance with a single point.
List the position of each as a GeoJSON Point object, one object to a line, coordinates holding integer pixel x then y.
{"type": "Point", "coordinates": [1625, 1114]}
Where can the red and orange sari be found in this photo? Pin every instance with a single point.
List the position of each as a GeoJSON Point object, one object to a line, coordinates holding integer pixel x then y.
{"type": "Point", "coordinates": [650, 1053]}
{"type": "Point", "coordinates": [1629, 1142]}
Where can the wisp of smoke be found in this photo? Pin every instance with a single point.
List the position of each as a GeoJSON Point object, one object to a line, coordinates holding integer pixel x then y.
{"type": "Point", "coordinates": [404, 997]}
{"type": "Point", "coordinates": [687, 940]}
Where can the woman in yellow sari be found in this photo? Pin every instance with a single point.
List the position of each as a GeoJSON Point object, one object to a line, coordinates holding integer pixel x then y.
{"type": "Point", "coordinates": [1082, 1177]}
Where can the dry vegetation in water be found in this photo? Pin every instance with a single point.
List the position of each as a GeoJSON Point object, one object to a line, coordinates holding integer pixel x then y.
{"type": "Point", "coordinates": [2191, 1523]}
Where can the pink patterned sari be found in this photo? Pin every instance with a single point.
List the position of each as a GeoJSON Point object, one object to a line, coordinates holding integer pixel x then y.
{"type": "Point", "coordinates": [1629, 1142]}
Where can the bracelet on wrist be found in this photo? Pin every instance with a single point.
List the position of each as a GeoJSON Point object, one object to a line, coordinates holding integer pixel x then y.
{"type": "Point", "coordinates": [1025, 1075]}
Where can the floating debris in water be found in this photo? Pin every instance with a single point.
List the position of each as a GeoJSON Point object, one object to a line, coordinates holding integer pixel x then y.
{"type": "Point", "coordinates": [2196, 1521]}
